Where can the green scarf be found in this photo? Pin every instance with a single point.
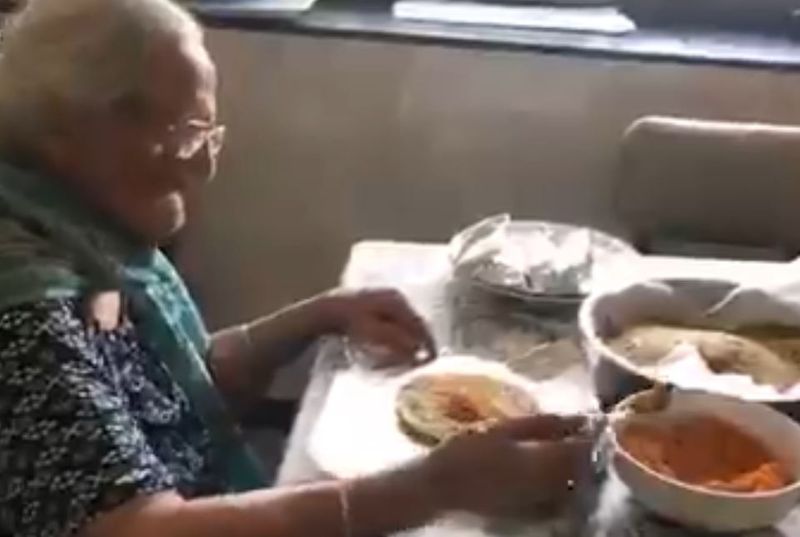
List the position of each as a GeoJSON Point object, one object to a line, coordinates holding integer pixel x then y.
{"type": "Point", "coordinates": [52, 246]}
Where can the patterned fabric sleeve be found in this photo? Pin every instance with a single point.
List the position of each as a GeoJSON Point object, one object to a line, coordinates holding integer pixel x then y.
{"type": "Point", "coordinates": [69, 449]}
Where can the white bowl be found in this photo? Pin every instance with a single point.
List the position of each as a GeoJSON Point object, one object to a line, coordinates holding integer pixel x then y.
{"type": "Point", "coordinates": [707, 509]}
{"type": "Point", "coordinates": [606, 314]}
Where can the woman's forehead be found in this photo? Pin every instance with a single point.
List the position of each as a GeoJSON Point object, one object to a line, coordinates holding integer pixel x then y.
{"type": "Point", "coordinates": [182, 81]}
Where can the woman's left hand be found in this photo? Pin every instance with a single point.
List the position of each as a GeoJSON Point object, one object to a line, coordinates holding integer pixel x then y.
{"type": "Point", "coordinates": [382, 320]}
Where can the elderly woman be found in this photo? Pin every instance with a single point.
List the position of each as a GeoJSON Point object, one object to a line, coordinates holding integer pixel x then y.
{"type": "Point", "coordinates": [116, 407]}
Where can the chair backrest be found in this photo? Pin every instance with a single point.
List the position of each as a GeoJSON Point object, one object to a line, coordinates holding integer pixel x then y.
{"type": "Point", "coordinates": [710, 182]}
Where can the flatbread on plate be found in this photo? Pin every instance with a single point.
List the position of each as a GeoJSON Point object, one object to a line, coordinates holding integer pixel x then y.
{"type": "Point", "coordinates": [769, 355]}
{"type": "Point", "coordinates": [433, 407]}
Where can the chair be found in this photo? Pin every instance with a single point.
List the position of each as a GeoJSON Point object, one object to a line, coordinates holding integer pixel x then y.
{"type": "Point", "coordinates": [696, 187]}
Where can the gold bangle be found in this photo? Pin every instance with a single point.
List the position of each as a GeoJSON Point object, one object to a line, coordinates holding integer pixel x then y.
{"type": "Point", "coordinates": [344, 506]}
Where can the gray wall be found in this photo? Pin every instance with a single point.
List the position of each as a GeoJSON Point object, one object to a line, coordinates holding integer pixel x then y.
{"type": "Point", "coordinates": [334, 140]}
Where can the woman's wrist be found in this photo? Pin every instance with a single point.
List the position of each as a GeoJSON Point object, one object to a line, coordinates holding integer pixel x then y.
{"type": "Point", "coordinates": [435, 481]}
{"type": "Point", "coordinates": [328, 313]}
{"type": "Point", "coordinates": [400, 499]}
{"type": "Point", "coordinates": [308, 319]}
{"type": "Point", "coordinates": [430, 485]}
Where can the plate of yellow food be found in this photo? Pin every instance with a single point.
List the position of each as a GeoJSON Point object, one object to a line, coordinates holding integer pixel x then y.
{"type": "Point", "coordinates": [373, 420]}
{"type": "Point", "coordinates": [435, 406]}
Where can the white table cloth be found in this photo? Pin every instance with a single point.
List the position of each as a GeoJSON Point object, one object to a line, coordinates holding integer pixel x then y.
{"type": "Point", "coordinates": [421, 272]}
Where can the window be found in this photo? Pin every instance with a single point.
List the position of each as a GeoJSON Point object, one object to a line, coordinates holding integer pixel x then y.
{"type": "Point", "coordinates": [607, 16]}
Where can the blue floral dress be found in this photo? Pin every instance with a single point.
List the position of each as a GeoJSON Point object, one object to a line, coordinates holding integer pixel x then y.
{"type": "Point", "coordinates": [88, 421]}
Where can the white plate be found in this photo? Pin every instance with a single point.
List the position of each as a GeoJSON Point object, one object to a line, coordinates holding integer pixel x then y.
{"type": "Point", "coordinates": [357, 434]}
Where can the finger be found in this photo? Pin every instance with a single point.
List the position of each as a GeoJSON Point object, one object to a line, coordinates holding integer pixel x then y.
{"type": "Point", "coordinates": [416, 327]}
{"type": "Point", "coordinates": [542, 427]}
{"type": "Point", "coordinates": [419, 328]}
{"type": "Point", "coordinates": [562, 465]}
{"type": "Point", "coordinates": [400, 345]}
{"type": "Point", "coordinates": [393, 306]}
{"type": "Point", "coordinates": [426, 344]}
{"type": "Point", "coordinates": [568, 449]}
{"type": "Point", "coordinates": [384, 301]}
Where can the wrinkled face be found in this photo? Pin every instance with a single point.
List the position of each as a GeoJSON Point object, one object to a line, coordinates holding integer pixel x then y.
{"type": "Point", "coordinates": [131, 162]}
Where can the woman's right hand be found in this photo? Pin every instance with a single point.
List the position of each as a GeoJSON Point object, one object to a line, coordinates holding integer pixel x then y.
{"type": "Point", "coordinates": [523, 462]}
{"type": "Point", "coordinates": [513, 466]}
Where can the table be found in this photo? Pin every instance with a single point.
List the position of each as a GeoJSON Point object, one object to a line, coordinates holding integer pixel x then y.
{"type": "Point", "coordinates": [421, 271]}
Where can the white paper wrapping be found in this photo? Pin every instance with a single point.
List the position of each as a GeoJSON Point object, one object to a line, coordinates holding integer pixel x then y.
{"type": "Point", "coordinates": [534, 257]}
{"type": "Point", "coordinates": [695, 301]}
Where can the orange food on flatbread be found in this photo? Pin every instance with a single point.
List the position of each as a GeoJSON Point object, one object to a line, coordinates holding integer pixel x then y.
{"type": "Point", "coordinates": [435, 406]}
{"type": "Point", "coordinates": [706, 451]}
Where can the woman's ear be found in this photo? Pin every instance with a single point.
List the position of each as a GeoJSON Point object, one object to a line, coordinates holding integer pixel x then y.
{"type": "Point", "coordinates": [53, 151]}
{"type": "Point", "coordinates": [57, 146]}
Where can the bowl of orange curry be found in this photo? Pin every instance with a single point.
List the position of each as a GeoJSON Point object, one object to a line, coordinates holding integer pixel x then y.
{"type": "Point", "coordinates": [710, 462]}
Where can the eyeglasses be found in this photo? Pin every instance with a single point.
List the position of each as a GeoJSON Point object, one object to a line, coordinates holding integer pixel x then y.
{"type": "Point", "coordinates": [184, 141]}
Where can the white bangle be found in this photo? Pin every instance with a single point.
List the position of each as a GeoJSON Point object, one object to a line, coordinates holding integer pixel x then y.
{"type": "Point", "coordinates": [344, 506]}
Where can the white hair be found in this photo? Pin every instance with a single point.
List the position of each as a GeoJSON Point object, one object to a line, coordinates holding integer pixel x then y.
{"type": "Point", "coordinates": [69, 53]}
